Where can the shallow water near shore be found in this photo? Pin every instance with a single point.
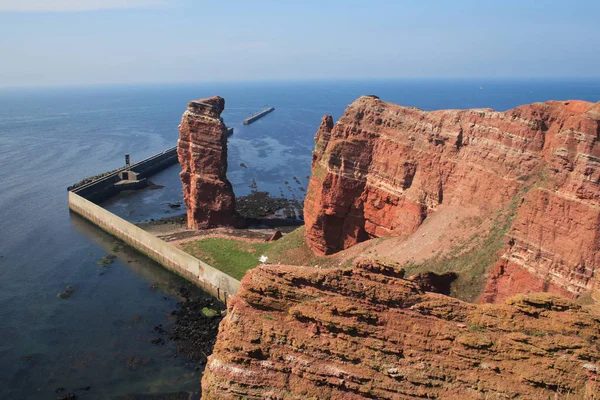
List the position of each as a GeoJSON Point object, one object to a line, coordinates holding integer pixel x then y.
{"type": "Point", "coordinates": [51, 138]}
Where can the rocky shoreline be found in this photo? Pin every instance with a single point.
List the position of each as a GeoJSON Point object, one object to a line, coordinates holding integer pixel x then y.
{"type": "Point", "coordinates": [197, 321]}
{"type": "Point", "coordinates": [260, 205]}
{"type": "Point", "coordinates": [264, 214]}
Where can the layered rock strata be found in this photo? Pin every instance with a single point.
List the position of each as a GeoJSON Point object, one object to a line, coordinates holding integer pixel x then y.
{"type": "Point", "coordinates": [202, 152]}
{"type": "Point", "coordinates": [368, 333]}
{"type": "Point", "coordinates": [383, 168]}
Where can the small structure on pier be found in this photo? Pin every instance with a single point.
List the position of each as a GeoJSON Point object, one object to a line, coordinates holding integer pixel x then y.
{"type": "Point", "coordinates": [129, 177]}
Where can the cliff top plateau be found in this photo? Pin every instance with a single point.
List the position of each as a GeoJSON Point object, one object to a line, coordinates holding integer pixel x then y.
{"type": "Point", "coordinates": [369, 333]}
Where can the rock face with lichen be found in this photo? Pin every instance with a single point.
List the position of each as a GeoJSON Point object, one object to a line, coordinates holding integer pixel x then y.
{"type": "Point", "coordinates": [382, 169]}
{"type": "Point", "coordinates": [369, 333]}
{"type": "Point", "coordinates": [202, 152]}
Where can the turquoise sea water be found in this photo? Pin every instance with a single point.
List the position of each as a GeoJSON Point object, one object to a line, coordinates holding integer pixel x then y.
{"type": "Point", "coordinates": [51, 138]}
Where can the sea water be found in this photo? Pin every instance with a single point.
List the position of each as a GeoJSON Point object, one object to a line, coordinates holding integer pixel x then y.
{"type": "Point", "coordinates": [51, 138]}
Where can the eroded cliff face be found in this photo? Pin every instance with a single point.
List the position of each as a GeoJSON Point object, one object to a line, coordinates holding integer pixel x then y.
{"type": "Point", "coordinates": [367, 333]}
{"type": "Point", "coordinates": [202, 152]}
{"type": "Point", "coordinates": [382, 169]}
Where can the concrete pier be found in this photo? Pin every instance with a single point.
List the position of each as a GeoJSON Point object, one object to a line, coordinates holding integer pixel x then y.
{"type": "Point", "coordinates": [261, 114]}
{"type": "Point", "coordinates": [82, 199]}
{"type": "Point", "coordinates": [129, 177]}
{"type": "Point", "coordinates": [215, 282]}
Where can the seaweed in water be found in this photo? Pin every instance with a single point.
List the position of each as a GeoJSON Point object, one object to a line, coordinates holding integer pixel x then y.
{"type": "Point", "coordinates": [67, 293]}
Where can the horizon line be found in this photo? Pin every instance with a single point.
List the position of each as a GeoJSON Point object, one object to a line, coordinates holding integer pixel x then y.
{"type": "Point", "coordinates": [290, 80]}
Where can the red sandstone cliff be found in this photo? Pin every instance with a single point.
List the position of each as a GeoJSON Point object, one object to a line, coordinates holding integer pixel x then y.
{"type": "Point", "coordinates": [382, 169]}
{"type": "Point", "coordinates": [202, 151]}
{"type": "Point", "coordinates": [368, 333]}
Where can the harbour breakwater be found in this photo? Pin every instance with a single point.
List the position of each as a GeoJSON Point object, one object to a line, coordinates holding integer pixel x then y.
{"type": "Point", "coordinates": [82, 200]}
{"type": "Point", "coordinates": [215, 282]}
{"type": "Point", "coordinates": [129, 177]}
{"type": "Point", "coordinates": [258, 115]}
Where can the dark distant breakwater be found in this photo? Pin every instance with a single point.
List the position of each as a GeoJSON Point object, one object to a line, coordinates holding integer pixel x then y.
{"type": "Point", "coordinates": [259, 115]}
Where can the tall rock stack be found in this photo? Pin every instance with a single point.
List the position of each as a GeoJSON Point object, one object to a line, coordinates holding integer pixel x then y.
{"type": "Point", "coordinates": [202, 152]}
{"type": "Point", "coordinates": [382, 169]}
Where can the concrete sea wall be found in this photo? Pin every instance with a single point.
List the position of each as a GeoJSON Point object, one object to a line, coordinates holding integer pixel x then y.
{"type": "Point", "coordinates": [104, 188]}
{"type": "Point", "coordinates": [210, 279]}
{"type": "Point", "coordinates": [156, 163]}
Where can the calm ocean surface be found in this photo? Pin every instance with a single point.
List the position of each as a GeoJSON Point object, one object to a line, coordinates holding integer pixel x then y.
{"type": "Point", "coordinates": [51, 138]}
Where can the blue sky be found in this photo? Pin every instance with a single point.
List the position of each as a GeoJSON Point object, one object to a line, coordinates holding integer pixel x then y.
{"type": "Point", "coordinates": [73, 42]}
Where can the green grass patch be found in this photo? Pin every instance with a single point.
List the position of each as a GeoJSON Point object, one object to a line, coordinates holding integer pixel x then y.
{"type": "Point", "coordinates": [231, 256]}
{"type": "Point", "coordinates": [235, 257]}
{"type": "Point", "coordinates": [292, 249]}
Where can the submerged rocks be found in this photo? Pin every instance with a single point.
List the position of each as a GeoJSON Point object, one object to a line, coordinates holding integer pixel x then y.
{"type": "Point", "coordinates": [259, 205]}
{"type": "Point", "coordinates": [366, 333]}
{"type": "Point", "coordinates": [197, 319]}
{"type": "Point", "coordinates": [68, 292]}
